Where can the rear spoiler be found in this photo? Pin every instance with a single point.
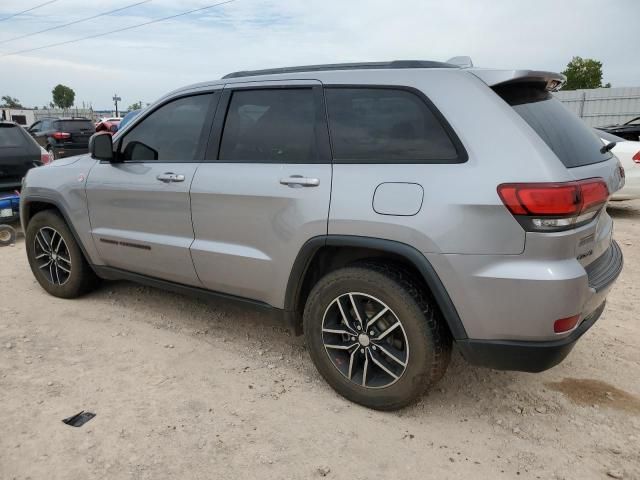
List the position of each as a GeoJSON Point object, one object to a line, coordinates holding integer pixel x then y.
{"type": "Point", "coordinates": [552, 81]}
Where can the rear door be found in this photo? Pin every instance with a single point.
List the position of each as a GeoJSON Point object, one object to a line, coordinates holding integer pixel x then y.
{"type": "Point", "coordinates": [264, 189]}
{"type": "Point", "coordinates": [18, 153]}
{"type": "Point", "coordinates": [139, 208]}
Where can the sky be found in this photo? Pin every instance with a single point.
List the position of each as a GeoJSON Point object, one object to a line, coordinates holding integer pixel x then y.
{"type": "Point", "coordinates": [142, 64]}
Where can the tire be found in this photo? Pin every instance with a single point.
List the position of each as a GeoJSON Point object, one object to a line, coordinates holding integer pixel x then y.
{"type": "Point", "coordinates": [52, 153]}
{"type": "Point", "coordinates": [421, 342]}
{"type": "Point", "coordinates": [7, 235]}
{"type": "Point", "coordinates": [47, 227]}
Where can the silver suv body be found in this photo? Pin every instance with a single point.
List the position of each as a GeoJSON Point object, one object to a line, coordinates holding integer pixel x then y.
{"type": "Point", "coordinates": [472, 192]}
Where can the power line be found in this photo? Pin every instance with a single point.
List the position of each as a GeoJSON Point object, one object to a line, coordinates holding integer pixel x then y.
{"type": "Point", "coordinates": [27, 10]}
{"type": "Point", "coordinates": [74, 22]}
{"type": "Point", "coordinates": [118, 30]}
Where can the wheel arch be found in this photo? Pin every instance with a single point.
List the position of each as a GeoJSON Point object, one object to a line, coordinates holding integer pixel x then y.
{"type": "Point", "coordinates": [323, 254]}
{"type": "Point", "coordinates": [30, 206]}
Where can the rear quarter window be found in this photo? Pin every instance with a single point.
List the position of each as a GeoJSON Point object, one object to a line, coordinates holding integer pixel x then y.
{"type": "Point", "coordinates": [387, 125]}
{"type": "Point", "coordinates": [573, 142]}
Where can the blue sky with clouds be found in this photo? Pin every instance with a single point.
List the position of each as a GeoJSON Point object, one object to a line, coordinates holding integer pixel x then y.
{"type": "Point", "coordinates": [144, 63]}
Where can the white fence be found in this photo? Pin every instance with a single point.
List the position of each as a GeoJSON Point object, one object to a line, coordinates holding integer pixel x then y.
{"type": "Point", "coordinates": [600, 107]}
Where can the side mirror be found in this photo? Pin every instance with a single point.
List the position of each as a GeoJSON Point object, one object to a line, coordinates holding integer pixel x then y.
{"type": "Point", "coordinates": [101, 147]}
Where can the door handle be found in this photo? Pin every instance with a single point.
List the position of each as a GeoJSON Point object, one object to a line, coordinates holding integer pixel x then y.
{"type": "Point", "coordinates": [170, 177]}
{"type": "Point", "coordinates": [295, 181]}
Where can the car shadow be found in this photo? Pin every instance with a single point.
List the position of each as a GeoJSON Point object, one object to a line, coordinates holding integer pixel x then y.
{"type": "Point", "coordinates": [624, 210]}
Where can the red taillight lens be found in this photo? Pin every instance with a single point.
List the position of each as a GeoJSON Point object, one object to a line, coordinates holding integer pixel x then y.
{"type": "Point", "coordinates": [565, 324]}
{"type": "Point", "coordinates": [636, 157]}
{"type": "Point", "coordinates": [45, 159]}
{"type": "Point", "coordinates": [553, 199]}
{"type": "Point", "coordinates": [564, 201]}
{"type": "Point", "coordinates": [61, 135]}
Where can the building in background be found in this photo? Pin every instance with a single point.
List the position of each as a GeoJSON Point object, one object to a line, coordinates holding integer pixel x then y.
{"type": "Point", "coordinates": [24, 117]}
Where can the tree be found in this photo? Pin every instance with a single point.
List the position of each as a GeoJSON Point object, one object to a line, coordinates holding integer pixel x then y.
{"type": "Point", "coordinates": [11, 102]}
{"type": "Point", "coordinates": [583, 73]}
{"type": "Point", "coordinates": [135, 106]}
{"type": "Point", "coordinates": [63, 96]}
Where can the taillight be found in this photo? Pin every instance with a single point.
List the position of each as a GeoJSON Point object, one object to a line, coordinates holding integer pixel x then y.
{"type": "Point", "coordinates": [554, 206]}
{"type": "Point", "coordinates": [636, 157]}
{"type": "Point", "coordinates": [61, 135]}
{"type": "Point", "coordinates": [45, 159]}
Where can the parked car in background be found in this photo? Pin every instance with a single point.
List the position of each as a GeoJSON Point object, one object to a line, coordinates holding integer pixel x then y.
{"type": "Point", "coordinates": [18, 153]}
{"type": "Point", "coordinates": [128, 117]}
{"type": "Point", "coordinates": [628, 131]}
{"type": "Point", "coordinates": [63, 137]}
{"type": "Point", "coordinates": [628, 152]}
{"type": "Point", "coordinates": [109, 125]}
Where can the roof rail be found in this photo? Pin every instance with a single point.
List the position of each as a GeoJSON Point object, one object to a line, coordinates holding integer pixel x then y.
{"type": "Point", "coordinates": [344, 66]}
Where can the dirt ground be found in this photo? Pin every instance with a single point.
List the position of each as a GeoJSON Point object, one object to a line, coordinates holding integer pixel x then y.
{"type": "Point", "coordinates": [186, 389]}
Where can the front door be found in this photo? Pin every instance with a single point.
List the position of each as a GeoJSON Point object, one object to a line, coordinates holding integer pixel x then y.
{"type": "Point", "coordinates": [263, 190]}
{"type": "Point", "coordinates": [139, 206]}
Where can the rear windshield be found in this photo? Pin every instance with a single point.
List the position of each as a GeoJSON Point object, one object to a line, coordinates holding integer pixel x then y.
{"type": "Point", "coordinates": [11, 136]}
{"type": "Point", "coordinates": [73, 125]}
{"type": "Point", "coordinates": [573, 142]}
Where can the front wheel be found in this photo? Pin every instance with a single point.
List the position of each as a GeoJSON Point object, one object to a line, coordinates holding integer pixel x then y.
{"type": "Point", "coordinates": [55, 257]}
{"type": "Point", "coordinates": [375, 335]}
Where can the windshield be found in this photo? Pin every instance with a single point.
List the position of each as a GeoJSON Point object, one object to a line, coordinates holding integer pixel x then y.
{"type": "Point", "coordinates": [74, 125]}
{"type": "Point", "coordinates": [573, 142]}
{"type": "Point", "coordinates": [10, 136]}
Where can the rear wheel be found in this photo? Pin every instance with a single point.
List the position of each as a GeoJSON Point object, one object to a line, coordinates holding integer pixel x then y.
{"type": "Point", "coordinates": [52, 154]}
{"type": "Point", "coordinates": [375, 336]}
{"type": "Point", "coordinates": [55, 258]}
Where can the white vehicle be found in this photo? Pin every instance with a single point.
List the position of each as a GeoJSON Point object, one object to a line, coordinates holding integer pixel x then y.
{"type": "Point", "coordinates": [628, 152]}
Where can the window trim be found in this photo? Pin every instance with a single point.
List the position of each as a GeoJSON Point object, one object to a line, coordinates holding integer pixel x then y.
{"type": "Point", "coordinates": [462, 155]}
{"type": "Point", "coordinates": [321, 127]}
{"type": "Point", "coordinates": [204, 132]}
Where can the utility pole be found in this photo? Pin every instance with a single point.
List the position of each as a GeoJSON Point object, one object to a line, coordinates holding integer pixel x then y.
{"type": "Point", "coordinates": [116, 99]}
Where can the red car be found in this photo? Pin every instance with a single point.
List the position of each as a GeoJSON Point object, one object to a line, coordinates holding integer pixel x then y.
{"type": "Point", "coordinates": [108, 125]}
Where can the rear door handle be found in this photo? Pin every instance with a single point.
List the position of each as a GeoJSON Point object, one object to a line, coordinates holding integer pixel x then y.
{"type": "Point", "coordinates": [170, 177]}
{"type": "Point", "coordinates": [300, 181]}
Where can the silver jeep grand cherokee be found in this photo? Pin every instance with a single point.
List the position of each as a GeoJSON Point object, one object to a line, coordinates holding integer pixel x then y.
{"type": "Point", "coordinates": [386, 210]}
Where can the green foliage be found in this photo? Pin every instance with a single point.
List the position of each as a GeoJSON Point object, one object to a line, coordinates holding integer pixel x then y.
{"type": "Point", "coordinates": [10, 102]}
{"type": "Point", "coordinates": [135, 106]}
{"type": "Point", "coordinates": [63, 96]}
{"type": "Point", "coordinates": [583, 73]}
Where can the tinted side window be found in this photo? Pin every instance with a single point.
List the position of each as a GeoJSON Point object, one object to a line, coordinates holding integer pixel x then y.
{"type": "Point", "coordinates": [172, 132]}
{"type": "Point", "coordinates": [276, 125]}
{"type": "Point", "coordinates": [385, 125]}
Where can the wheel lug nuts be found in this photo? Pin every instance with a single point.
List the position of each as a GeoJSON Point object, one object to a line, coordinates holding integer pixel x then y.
{"type": "Point", "coordinates": [362, 350]}
{"type": "Point", "coordinates": [374, 347]}
{"type": "Point", "coordinates": [371, 333]}
{"type": "Point", "coordinates": [358, 327]}
{"type": "Point", "coordinates": [353, 339]}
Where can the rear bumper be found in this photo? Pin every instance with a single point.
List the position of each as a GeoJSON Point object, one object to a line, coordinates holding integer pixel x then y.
{"type": "Point", "coordinates": [536, 356]}
{"type": "Point", "coordinates": [524, 356]}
